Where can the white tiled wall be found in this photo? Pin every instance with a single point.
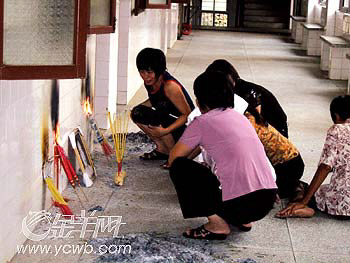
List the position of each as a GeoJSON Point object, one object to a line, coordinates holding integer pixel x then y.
{"type": "Point", "coordinates": [339, 64]}
{"type": "Point", "coordinates": [325, 52]}
{"type": "Point", "coordinates": [22, 104]}
{"type": "Point", "coordinates": [102, 78]}
{"type": "Point", "coordinates": [312, 42]}
{"type": "Point", "coordinates": [338, 23]}
{"type": "Point", "coordinates": [313, 11]}
{"type": "Point", "coordinates": [155, 28]}
{"type": "Point", "coordinates": [299, 32]}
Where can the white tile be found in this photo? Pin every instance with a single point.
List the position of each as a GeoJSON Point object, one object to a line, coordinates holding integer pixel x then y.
{"type": "Point", "coordinates": [310, 43]}
{"type": "Point", "coordinates": [123, 42]}
{"type": "Point", "coordinates": [334, 74]}
{"type": "Point", "coordinates": [102, 51]}
{"type": "Point", "coordinates": [123, 55]}
{"type": "Point", "coordinates": [101, 88]}
{"type": "Point", "coordinates": [102, 69]}
{"type": "Point", "coordinates": [345, 64]}
{"type": "Point", "coordinates": [336, 63]}
{"type": "Point", "coordinates": [101, 104]}
{"type": "Point", "coordinates": [336, 52]}
{"type": "Point", "coordinates": [344, 74]}
{"type": "Point", "coordinates": [122, 70]}
{"type": "Point", "coordinates": [121, 97]}
{"type": "Point", "coordinates": [122, 83]}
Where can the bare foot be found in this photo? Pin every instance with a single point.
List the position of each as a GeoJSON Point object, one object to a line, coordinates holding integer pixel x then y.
{"type": "Point", "coordinates": [305, 212]}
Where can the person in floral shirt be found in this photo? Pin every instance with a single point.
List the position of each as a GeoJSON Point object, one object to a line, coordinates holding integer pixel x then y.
{"type": "Point", "coordinates": [332, 198]}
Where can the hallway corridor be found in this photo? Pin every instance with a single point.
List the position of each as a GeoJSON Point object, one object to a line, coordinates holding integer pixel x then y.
{"type": "Point", "coordinates": [273, 62]}
{"type": "Point", "coordinates": [148, 203]}
{"type": "Point", "coordinates": [296, 80]}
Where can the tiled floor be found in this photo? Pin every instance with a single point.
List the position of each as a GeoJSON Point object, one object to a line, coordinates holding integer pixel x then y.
{"type": "Point", "coordinates": [148, 202]}
{"type": "Point", "coordinates": [282, 67]}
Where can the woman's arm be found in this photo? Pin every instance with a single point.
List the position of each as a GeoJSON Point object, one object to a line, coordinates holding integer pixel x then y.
{"type": "Point", "coordinates": [174, 93]}
{"type": "Point", "coordinates": [179, 150]}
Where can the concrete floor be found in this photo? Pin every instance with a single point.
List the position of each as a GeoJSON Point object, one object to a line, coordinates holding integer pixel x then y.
{"type": "Point", "coordinates": [148, 202]}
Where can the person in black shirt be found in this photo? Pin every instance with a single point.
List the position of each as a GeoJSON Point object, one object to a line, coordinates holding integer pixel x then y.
{"type": "Point", "coordinates": [164, 114]}
{"type": "Point", "coordinates": [258, 97]}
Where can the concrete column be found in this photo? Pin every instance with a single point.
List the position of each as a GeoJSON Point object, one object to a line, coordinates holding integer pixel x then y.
{"type": "Point", "coordinates": [332, 7]}
{"type": "Point", "coordinates": [311, 11]}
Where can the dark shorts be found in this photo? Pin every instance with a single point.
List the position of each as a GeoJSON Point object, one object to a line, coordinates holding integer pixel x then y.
{"type": "Point", "coordinates": [149, 116]}
{"type": "Point", "coordinates": [199, 195]}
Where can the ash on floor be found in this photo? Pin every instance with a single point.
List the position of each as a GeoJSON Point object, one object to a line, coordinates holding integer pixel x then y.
{"type": "Point", "coordinates": [156, 248]}
{"type": "Point", "coordinates": [136, 142]}
{"type": "Point", "coordinates": [149, 247]}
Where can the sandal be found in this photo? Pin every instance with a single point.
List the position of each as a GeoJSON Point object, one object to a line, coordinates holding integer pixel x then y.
{"type": "Point", "coordinates": [202, 233]}
{"type": "Point", "coordinates": [154, 155]}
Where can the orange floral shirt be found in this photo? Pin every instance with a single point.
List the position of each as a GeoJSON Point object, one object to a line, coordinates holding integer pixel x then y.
{"type": "Point", "coordinates": [277, 147]}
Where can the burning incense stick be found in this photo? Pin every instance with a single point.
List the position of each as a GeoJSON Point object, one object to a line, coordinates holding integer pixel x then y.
{"type": "Point", "coordinates": [106, 148]}
{"type": "Point", "coordinates": [119, 129]}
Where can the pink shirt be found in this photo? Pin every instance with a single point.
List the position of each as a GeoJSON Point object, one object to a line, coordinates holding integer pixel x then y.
{"type": "Point", "coordinates": [231, 140]}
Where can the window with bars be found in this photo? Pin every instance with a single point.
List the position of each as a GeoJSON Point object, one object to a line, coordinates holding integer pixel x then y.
{"type": "Point", "coordinates": [214, 13]}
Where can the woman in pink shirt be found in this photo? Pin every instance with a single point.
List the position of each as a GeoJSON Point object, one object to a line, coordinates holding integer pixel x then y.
{"type": "Point", "coordinates": [243, 190]}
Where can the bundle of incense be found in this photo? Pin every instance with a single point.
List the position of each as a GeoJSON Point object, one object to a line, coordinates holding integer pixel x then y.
{"type": "Point", "coordinates": [119, 129]}
{"type": "Point", "coordinates": [58, 200]}
{"type": "Point", "coordinates": [79, 137]}
{"type": "Point", "coordinates": [106, 148]}
{"type": "Point", "coordinates": [69, 171]}
{"type": "Point", "coordinates": [87, 173]}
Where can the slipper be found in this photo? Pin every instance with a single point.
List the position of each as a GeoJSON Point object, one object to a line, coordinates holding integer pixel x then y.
{"type": "Point", "coordinates": [202, 233]}
{"type": "Point", "coordinates": [154, 155]}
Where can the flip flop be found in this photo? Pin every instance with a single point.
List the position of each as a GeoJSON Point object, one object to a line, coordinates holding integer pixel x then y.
{"type": "Point", "coordinates": [202, 233]}
{"type": "Point", "coordinates": [154, 155]}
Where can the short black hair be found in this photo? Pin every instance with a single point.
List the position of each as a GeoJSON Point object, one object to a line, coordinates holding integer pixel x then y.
{"type": "Point", "coordinates": [214, 90]}
{"type": "Point", "coordinates": [151, 59]}
{"type": "Point", "coordinates": [341, 106]}
{"type": "Point", "coordinates": [225, 67]}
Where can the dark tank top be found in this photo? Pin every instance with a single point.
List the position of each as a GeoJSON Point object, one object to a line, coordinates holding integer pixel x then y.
{"type": "Point", "coordinates": [161, 102]}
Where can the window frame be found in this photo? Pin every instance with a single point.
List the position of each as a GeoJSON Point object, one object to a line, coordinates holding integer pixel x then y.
{"type": "Point", "coordinates": [106, 29]}
{"type": "Point", "coordinates": [76, 70]}
{"type": "Point", "coordinates": [180, 1]}
{"type": "Point", "coordinates": [158, 6]}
